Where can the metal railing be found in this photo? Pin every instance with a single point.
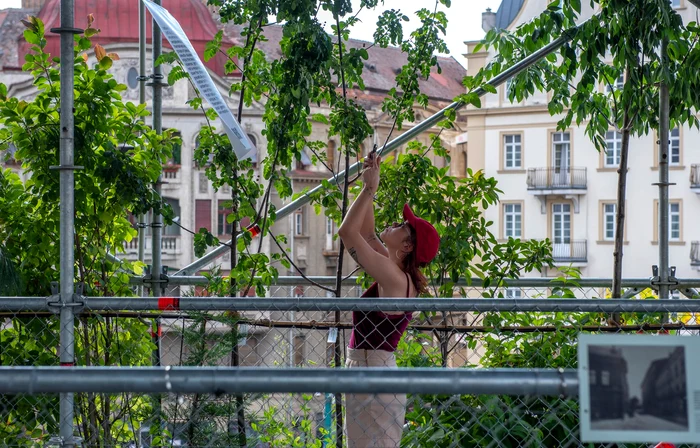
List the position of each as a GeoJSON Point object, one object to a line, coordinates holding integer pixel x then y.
{"type": "Point", "coordinates": [196, 395]}
{"type": "Point", "coordinates": [171, 173]}
{"type": "Point", "coordinates": [552, 178]}
{"type": "Point", "coordinates": [695, 176]}
{"type": "Point", "coordinates": [572, 252]}
{"type": "Point", "coordinates": [168, 244]}
{"type": "Point", "coordinates": [695, 253]}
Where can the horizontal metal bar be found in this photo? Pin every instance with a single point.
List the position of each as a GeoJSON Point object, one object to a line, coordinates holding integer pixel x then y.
{"type": "Point", "coordinates": [361, 304]}
{"type": "Point", "coordinates": [227, 380]}
{"type": "Point", "coordinates": [530, 282]}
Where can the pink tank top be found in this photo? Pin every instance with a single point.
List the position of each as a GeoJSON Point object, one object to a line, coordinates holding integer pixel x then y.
{"type": "Point", "coordinates": [374, 330]}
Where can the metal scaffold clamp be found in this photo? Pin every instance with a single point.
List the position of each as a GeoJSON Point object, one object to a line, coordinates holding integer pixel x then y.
{"type": "Point", "coordinates": [54, 303]}
{"type": "Point", "coordinates": [60, 441]}
{"type": "Point", "coordinates": [656, 281]}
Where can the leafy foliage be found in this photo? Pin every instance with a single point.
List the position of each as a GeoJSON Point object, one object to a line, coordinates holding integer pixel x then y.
{"type": "Point", "coordinates": [121, 159]}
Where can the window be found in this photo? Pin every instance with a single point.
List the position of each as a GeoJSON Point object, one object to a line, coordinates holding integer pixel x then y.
{"type": "Point", "coordinates": [173, 229]}
{"type": "Point", "coordinates": [202, 214]}
{"type": "Point", "coordinates": [462, 164]}
{"type": "Point", "coordinates": [223, 227]}
{"type": "Point", "coordinates": [675, 234]}
{"type": "Point", "coordinates": [176, 158]}
{"type": "Point", "coordinates": [203, 184]}
{"type": "Point", "coordinates": [609, 211]}
{"type": "Point", "coordinates": [513, 293]}
{"type": "Point", "coordinates": [674, 217]}
{"type": "Point", "coordinates": [330, 154]}
{"type": "Point", "coordinates": [613, 140]}
{"type": "Point", "coordinates": [605, 378]}
{"type": "Point", "coordinates": [674, 147]}
{"type": "Point", "coordinates": [254, 156]}
{"type": "Point", "coordinates": [675, 3]}
{"type": "Point", "coordinates": [617, 85]}
{"type": "Point", "coordinates": [299, 222]}
{"type": "Point", "coordinates": [299, 349]}
{"type": "Point", "coordinates": [512, 151]}
{"type": "Point", "coordinates": [132, 78]}
{"type": "Point", "coordinates": [512, 220]}
{"type": "Point", "coordinates": [330, 232]}
{"type": "Point", "coordinates": [561, 158]}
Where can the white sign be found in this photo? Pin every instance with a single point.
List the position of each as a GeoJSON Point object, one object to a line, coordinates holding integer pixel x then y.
{"type": "Point", "coordinates": [639, 388]}
{"type": "Point", "coordinates": [200, 77]}
{"type": "Point", "coordinates": [461, 138]}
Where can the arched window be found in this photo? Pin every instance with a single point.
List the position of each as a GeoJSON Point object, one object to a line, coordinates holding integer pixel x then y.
{"type": "Point", "coordinates": [462, 164]}
{"type": "Point", "coordinates": [254, 157]}
{"type": "Point", "coordinates": [132, 78]}
{"type": "Point", "coordinates": [330, 154]}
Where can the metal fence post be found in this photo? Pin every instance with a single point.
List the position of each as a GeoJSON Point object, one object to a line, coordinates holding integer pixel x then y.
{"type": "Point", "coordinates": [142, 100]}
{"type": "Point", "coordinates": [157, 218]}
{"type": "Point", "coordinates": [663, 178]}
{"type": "Point", "coordinates": [67, 216]}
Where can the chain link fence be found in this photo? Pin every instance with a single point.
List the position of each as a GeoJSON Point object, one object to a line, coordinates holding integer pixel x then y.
{"type": "Point", "coordinates": [298, 327]}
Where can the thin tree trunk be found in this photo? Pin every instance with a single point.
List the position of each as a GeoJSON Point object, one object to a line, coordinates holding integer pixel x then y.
{"type": "Point", "coordinates": [341, 250]}
{"type": "Point", "coordinates": [620, 219]}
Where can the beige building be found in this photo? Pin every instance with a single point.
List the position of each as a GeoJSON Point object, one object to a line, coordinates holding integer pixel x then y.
{"type": "Point", "coordinates": [556, 185]}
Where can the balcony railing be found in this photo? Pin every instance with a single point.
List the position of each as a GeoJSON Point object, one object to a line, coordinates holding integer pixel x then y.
{"type": "Point", "coordinates": [171, 174]}
{"type": "Point", "coordinates": [552, 178]}
{"type": "Point", "coordinates": [168, 243]}
{"type": "Point", "coordinates": [695, 253]}
{"type": "Point", "coordinates": [695, 176]}
{"type": "Point", "coordinates": [571, 252]}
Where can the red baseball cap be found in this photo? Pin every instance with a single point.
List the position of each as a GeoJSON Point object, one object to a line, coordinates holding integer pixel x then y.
{"type": "Point", "coordinates": [427, 238]}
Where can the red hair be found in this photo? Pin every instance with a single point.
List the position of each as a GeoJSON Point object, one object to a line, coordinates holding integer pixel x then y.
{"type": "Point", "coordinates": [412, 268]}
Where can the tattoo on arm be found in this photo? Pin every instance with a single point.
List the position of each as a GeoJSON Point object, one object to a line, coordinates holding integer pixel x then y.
{"type": "Point", "coordinates": [353, 254]}
{"type": "Point", "coordinates": [372, 237]}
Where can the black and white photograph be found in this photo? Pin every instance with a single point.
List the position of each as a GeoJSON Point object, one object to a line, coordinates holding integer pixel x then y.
{"type": "Point", "coordinates": [637, 387]}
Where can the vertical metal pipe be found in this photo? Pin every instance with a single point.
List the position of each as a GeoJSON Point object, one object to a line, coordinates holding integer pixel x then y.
{"type": "Point", "coordinates": [67, 212]}
{"type": "Point", "coordinates": [663, 177]}
{"type": "Point", "coordinates": [156, 218]}
{"type": "Point", "coordinates": [142, 100]}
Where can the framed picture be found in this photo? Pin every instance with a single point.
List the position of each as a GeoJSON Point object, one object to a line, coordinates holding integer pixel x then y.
{"type": "Point", "coordinates": [639, 388]}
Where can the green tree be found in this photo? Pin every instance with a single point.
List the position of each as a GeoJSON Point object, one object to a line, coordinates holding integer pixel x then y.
{"type": "Point", "coordinates": [121, 158]}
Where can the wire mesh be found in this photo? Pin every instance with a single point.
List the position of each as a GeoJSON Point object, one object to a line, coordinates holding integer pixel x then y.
{"type": "Point", "coordinates": [277, 338]}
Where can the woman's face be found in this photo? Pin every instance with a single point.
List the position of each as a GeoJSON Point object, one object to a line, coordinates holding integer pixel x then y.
{"type": "Point", "coordinates": [396, 235]}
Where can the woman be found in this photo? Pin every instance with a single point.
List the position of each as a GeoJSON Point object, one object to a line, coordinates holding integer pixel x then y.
{"type": "Point", "coordinates": [377, 420]}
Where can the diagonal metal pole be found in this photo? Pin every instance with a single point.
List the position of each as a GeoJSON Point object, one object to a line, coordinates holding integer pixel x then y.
{"type": "Point", "coordinates": [527, 62]}
{"type": "Point", "coordinates": [67, 216]}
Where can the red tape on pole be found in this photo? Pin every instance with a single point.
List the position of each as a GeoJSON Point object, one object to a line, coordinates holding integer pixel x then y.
{"type": "Point", "coordinates": [168, 303]}
{"type": "Point", "coordinates": [67, 364]}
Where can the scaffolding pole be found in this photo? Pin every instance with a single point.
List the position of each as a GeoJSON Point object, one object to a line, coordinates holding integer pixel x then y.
{"type": "Point", "coordinates": [527, 282]}
{"type": "Point", "coordinates": [67, 217]}
{"type": "Point", "coordinates": [157, 218]}
{"type": "Point", "coordinates": [530, 60]}
{"type": "Point", "coordinates": [415, 304]}
{"type": "Point", "coordinates": [663, 274]}
{"type": "Point", "coordinates": [227, 380]}
{"type": "Point", "coordinates": [141, 225]}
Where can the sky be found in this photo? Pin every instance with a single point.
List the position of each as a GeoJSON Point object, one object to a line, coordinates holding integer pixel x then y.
{"type": "Point", "coordinates": [464, 19]}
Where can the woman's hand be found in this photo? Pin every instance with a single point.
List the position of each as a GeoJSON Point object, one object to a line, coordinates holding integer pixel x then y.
{"type": "Point", "coordinates": [370, 172]}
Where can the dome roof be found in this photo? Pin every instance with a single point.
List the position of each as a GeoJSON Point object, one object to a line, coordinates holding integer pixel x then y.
{"type": "Point", "coordinates": [118, 21]}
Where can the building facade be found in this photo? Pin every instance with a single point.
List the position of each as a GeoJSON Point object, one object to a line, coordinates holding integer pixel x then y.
{"type": "Point", "coordinates": [556, 185]}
